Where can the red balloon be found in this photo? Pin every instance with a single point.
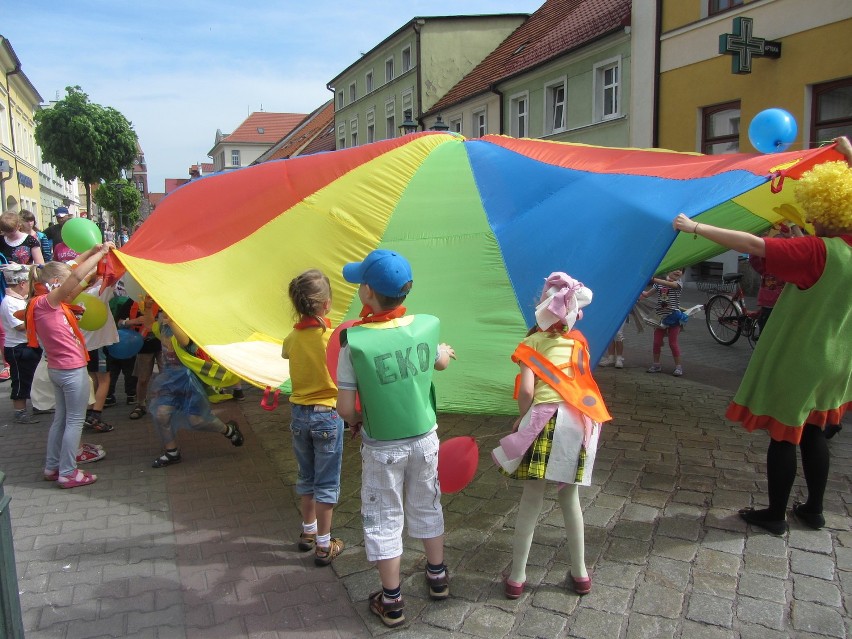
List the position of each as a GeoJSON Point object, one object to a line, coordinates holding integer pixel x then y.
{"type": "Point", "coordinates": [332, 354]}
{"type": "Point", "coordinates": [457, 461]}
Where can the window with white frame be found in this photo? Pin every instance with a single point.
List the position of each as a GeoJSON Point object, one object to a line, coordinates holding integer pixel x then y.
{"type": "Point", "coordinates": [340, 100]}
{"type": "Point", "coordinates": [455, 125]}
{"type": "Point", "coordinates": [607, 78]}
{"type": "Point", "coordinates": [390, 119]}
{"type": "Point", "coordinates": [341, 136]}
{"type": "Point", "coordinates": [353, 93]}
{"type": "Point", "coordinates": [720, 129]}
{"type": "Point", "coordinates": [480, 123]}
{"type": "Point", "coordinates": [235, 157]}
{"type": "Point", "coordinates": [408, 101]}
{"type": "Point", "coordinates": [520, 115]}
{"type": "Point", "coordinates": [554, 106]}
{"type": "Point", "coordinates": [368, 82]}
{"type": "Point", "coordinates": [406, 59]}
{"type": "Point", "coordinates": [353, 132]}
{"type": "Point", "coordinates": [371, 125]}
{"type": "Point", "coordinates": [4, 135]}
{"type": "Point", "coordinates": [718, 6]}
{"type": "Point", "coordinates": [388, 69]}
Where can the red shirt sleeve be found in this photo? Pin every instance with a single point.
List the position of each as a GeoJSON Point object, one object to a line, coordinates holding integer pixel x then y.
{"type": "Point", "coordinates": [798, 260]}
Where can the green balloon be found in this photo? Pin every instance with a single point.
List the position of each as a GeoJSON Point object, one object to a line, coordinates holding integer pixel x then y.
{"type": "Point", "coordinates": [80, 234]}
{"type": "Point", "coordinates": [95, 315]}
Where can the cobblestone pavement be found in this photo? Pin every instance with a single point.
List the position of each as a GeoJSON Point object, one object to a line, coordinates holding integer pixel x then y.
{"type": "Point", "coordinates": [207, 548]}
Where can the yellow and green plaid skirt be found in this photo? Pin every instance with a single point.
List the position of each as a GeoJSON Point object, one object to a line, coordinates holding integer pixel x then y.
{"type": "Point", "coordinates": [534, 463]}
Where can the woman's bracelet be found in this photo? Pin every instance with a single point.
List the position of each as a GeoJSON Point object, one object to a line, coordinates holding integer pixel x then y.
{"type": "Point", "coordinates": [695, 231]}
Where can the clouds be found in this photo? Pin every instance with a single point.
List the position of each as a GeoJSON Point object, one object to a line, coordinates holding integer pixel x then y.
{"type": "Point", "coordinates": [181, 70]}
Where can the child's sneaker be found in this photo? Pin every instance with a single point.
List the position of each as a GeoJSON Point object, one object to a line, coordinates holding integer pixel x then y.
{"type": "Point", "coordinates": [238, 394]}
{"type": "Point", "coordinates": [75, 479]}
{"type": "Point", "coordinates": [110, 401]}
{"type": "Point", "coordinates": [678, 371]}
{"type": "Point", "coordinates": [619, 362]}
{"type": "Point", "coordinates": [234, 433]}
{"type": "Point", "coordinates": [439, 586]}
{"type": "Point", "coordinates": [131, 399]}
{"type": "Point", "coordinates": [21, 417]}
{"type": "Point", "coordinates": [390, 612]}
{"type": "Point", "coordinates": [655, 368]}
{"type": "Point", "coordinates": [89, 454]}
{"type": "Point", "coordinates": [606, 360]}
{"type": "Point", "coordinates": [324, 556]}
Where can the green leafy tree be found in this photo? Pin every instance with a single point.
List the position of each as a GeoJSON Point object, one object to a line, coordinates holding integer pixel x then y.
{"type": "Point", "coordinates": [122, 199]}
{"type": "Point", "coordinates": [85, 140]}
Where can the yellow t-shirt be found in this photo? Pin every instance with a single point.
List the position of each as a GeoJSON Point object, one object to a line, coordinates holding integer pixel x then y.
{"type": "Point", "coordinates": [312, 383]}
{"type": "Point", "coordinates": [558, 350]}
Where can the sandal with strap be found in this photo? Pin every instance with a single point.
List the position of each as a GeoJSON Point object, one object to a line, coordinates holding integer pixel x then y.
{"type": "Point", "coordinates": [138, 412]}
{"type": "Point", "coordinates": [307, 541]}
{"type": "Point", "coordinates": [234, 435]}
{"type": "Point", "coordinates": [98, 425]}
{"type": "Point", "coordinates": [166, 459]}
{"type": "Point", "coordinates": [390, 612]}
{"type": "Point", "coordinates": [77, 478]}
{"type": "Point", "coordinates": [439, 587]}
{"type": "Point", "coordinates": [324, 556]}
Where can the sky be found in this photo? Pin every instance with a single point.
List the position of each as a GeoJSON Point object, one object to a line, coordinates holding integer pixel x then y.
{"type": "Point", "coordinates": [180, 70]}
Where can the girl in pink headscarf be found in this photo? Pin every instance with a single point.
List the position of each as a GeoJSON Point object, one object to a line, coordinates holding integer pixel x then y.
{"type": "Point", "coordinates": [557, 434]}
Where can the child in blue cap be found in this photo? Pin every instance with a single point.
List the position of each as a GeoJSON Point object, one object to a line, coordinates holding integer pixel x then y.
{"type": "Point", "coordinates": [389, 358]}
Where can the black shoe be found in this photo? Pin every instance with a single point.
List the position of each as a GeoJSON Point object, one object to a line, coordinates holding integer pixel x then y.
{"type": "Point", "coordinates": [109, 401]}
{"type": "Point", "coordinates": [238, 394]}
{"type": "Point", "coordinates": [131, 399]}
{"type": "Point", "coordinates": [758, 518]}
{"type": "Point", "coordinates": [234, 434]}
{"type": "Point", "coordinates": [166, 459]}
{"type": "Point", "coordinates": [811, 520]}
{"type": "Point", "coordinates": [832, 429]}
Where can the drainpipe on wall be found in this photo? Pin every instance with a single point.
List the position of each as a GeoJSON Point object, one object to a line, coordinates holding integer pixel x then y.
{"type": "Point", "coordinates": [418, 24]}
{"type": "Point", "coordinates": [3, 181]}
{"type": "Point", "coordinates": [655, 124]}
{"type": "Point", "coordinates": [493, 88]}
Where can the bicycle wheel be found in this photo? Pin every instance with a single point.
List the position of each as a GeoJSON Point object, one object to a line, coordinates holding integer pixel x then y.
{"type": "Point", "coordinates": [723, 319]}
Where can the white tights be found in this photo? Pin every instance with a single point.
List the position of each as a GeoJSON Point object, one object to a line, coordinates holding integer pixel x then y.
{"type": "Point", "coordinates": [528, 513]}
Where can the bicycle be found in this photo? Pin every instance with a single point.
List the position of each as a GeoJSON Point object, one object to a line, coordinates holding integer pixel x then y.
{"type": "Point", "coordinates": [727, 316]}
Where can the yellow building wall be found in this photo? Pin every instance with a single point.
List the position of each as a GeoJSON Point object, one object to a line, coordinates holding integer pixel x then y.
{"type": "Point", "coordinates": [25, 158]}
{"type": "Point", "coordinates": [678, 13]}
{"type": "Point", "coordinates": [810, 57]}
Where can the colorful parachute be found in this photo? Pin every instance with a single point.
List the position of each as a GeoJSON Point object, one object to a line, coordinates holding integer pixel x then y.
{"type": "Point", "coordinates": [483, 222]}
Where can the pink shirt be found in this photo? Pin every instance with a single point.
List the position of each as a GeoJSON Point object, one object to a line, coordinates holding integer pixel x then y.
{"type": "Point", "coordinates": [64, 351]}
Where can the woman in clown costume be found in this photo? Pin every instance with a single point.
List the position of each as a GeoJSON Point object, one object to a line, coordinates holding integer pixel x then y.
{"type": "Point", "coordinates": [798, 384]}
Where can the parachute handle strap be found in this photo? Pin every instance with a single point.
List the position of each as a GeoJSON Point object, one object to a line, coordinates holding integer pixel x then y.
{"type": "Point", "coordinates": [777, 182]}
{"type": "Point", "coordinates": [265, 403]}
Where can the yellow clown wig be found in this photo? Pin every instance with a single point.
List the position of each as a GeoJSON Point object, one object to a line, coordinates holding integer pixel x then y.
{"type": "Point", "coordinates": [825, 193]}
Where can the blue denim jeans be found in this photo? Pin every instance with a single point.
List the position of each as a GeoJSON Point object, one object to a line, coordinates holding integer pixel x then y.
{"type": "Point", "coordinates": [318, 445]}
{"type": "Point", "coordinates": [71, 390]}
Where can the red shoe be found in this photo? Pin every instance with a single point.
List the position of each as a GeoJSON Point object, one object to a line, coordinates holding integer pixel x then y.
{"type": "Point", "coordinates": [511, 589]}
{"type": "Point", "coordinates": [77, 478]}
{"type": "Point", "coordinates": [582, 585]}
{"type": "Point", "coordinates": [89, 454]}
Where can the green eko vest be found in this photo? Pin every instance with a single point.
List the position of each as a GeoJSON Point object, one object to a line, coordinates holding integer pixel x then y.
{"type": "Point", "coordinates": [394, 367]}
{"type": "Point", "coordinates": [802, 360]}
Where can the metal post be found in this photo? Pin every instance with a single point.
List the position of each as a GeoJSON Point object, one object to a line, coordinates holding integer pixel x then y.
{"type": "Point", "coordinates": [11, 624]}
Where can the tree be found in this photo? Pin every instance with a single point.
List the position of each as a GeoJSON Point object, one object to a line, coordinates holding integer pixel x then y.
{"type": "Point", "coordinates": [122, 199]}
{"type": "Point", "coordinates": [85, 140]}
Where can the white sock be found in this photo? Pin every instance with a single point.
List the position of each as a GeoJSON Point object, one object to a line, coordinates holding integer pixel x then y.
{"type": "Point", "coordinates": [310, 529]}
{"type": "Point", "coordinates": [324, 541]}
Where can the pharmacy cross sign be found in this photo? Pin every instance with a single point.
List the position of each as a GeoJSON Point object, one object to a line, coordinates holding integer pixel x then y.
{"type": "Point", "coordinates": [742, 46]}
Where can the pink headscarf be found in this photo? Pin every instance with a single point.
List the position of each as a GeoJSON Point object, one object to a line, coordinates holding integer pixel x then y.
{"type": "Point", "coordinates": [562, 299]}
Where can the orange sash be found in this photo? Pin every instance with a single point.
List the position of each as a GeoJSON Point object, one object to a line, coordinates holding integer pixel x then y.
{"type": "Point", "coordinates": [577, 387]}
{"type": "Point", "coordinates": [32, 340]}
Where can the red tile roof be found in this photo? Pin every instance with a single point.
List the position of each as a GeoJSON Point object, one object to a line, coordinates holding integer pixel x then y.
{"type": "Point", "coordinates": [155, 198]}
{"type": "Point", "coordinates": [206, 169]}
{"type": "Point", "coordinates": [264, 128]}
{"type": "Point", "coordinates": [306, 133]}
{"type": "Point", "coordinates": [557, 27]}
{"type": "Point", "coordinates": [173, 183]}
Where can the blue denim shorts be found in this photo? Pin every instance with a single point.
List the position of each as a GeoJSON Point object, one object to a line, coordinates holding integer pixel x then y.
{"type": "Point", "coordinates": [318, 445]}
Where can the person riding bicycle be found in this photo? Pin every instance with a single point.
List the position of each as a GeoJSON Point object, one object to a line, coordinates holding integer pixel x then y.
{"type": "Point", "coordinates": [770, 284]}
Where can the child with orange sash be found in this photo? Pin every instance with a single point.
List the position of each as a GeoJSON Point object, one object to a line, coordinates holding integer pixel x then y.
{"type": "Point", "coordinates": [557, 434]}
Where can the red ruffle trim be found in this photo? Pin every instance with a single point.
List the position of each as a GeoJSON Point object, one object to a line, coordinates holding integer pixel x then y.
{"type": "Point", "coordinates": [783, 432]}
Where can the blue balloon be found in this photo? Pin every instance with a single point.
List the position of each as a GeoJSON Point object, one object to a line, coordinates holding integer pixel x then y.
{"type": "Point", "coordinates": [129, 343]}
{"type": "Point", "coordinates": [772, 130]}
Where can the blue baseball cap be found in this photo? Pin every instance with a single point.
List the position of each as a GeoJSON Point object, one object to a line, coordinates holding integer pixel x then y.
{"type": "Point", "coordinates": [61, 211]}
{"type": "Point", "coordinates": [383, 271]}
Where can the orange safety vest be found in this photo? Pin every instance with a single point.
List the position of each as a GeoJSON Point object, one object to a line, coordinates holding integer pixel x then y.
{"type": "Point", "coordinates": [134, 313]}
{"type": "Point", "coordinates": [32, 339]}
{"type": "Point", "coordinates": [577, 387]}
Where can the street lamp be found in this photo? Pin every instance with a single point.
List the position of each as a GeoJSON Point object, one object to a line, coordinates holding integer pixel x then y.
{"type": "Point", "coordinates": [408, 125]}
{"type": "Point", "coordinates": [440, 125]}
